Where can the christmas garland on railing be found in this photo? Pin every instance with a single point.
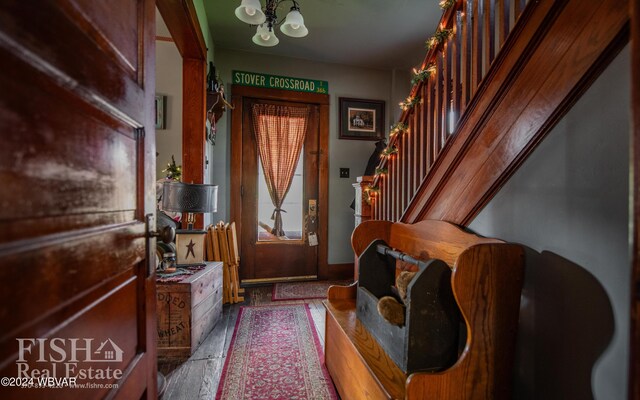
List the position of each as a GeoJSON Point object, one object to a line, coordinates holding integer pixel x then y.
{"type": "Point", "coordinates": [419, 75]}
{"type": "Point", "coordinates": [447, 4]}
{"type": "Point", "coordinates": [388, 151]}
{"type": "Point", "coordinates": [438, 38]}
{"type": "Point", "coordinates": [397, 128]}
{"type": "Point", "coordinates": [409, 103]}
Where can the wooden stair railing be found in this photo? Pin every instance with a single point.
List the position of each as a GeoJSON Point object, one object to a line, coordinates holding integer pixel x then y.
{"type": "Point", "coordinates": [477, 29]}
{"type": "Point", "coordinates": [503, 74]}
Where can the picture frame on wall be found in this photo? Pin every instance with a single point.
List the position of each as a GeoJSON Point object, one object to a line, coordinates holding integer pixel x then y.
{"type": "Point", "coordinates": [161, 102]}
{"type": "Point", "coordinates": [361, 119]}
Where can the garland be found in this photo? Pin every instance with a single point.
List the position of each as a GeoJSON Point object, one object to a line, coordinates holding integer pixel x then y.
{"type": "Point", "coordinates": [422, 74]}
{"type": "Point", "coordinates": [381, 170]}
{"type": "Point", "coordinates": [438, 38]}
{"type": "Point", "coordinates": [389, 151]}
{"type": "Point", "coordinates": [447, 4]}
{"type": "Point", "coordinates": [410, 102]}
{"type": "Point", "coordinates": [397, 128]}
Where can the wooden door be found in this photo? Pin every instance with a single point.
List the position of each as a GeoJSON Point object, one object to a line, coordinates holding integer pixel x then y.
{"type": "Point", "coordinates": [264, 256]}
{"type": "Point", "coordinates": [77, 169]}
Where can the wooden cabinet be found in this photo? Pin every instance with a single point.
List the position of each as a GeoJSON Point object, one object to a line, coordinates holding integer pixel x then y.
{"type": "Point", "coordinates": [188, 310]}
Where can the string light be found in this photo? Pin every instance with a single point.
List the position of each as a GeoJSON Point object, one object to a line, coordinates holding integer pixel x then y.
{"type": "Point", "coordinates": [409, 103]}
{"type": "Point", "coordinates": [419, 75]}
{"type": "Point", "coordinates": [439, 37]}
{"type": "Point", "coordinates": [446, 4]}
{"type": "Point", "coordinates": [389, 151]}
{"type": "Point", "coordinates": [397, 128]}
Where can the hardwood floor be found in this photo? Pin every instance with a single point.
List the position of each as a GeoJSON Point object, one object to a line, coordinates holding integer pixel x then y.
{"type": "Point", "coordinates": [199, 376]}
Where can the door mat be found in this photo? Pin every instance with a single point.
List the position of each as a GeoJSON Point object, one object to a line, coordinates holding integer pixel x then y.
{"type": "Point", "coordinates": [303, 290]}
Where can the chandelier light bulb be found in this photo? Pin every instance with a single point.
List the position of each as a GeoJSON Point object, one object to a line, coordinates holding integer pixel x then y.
{"type": "Point", "coordinates": [265, 37]}
{"type": "Point", "coordinates": [293, 24]}
{"type": "Point", "coordinates": [250, 12]}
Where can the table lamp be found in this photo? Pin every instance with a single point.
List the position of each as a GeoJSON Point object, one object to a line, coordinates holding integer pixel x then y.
{"type": "Point", "coordinates": [189, 198]}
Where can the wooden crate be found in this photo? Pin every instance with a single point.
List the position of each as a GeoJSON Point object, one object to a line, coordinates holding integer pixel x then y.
{"type": "Point", "coordinates": [188, 310]}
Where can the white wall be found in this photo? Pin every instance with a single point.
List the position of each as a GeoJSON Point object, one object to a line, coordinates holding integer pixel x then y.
{"type": "Point", "coordinates": [569, 204]}
{"type": "Point", "coordinates": [169, 83]}
{"type": "Point", "coordinates": [344, 81]}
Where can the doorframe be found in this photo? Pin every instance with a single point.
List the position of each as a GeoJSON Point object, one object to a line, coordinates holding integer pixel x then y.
{"type": "Point", "coordinates": [238, 95]}
{"type": "Point", "coordinates": [182, 21]}
{"type": "Point", "coordinates": [634, 336]}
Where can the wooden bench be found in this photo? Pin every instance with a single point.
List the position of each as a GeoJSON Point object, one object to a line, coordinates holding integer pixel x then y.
{"type": "Point", "coordinates": [487, 276]}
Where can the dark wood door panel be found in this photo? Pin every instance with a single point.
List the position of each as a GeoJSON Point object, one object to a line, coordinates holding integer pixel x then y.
{"type": "Point", "coordinates": [104, 78]}
{"type": "Point", "coordinates": [110, 319]}
{"type": "Point", "coordinates": [115, 36]}
{"type": "Point", "coordinates": [77, 166]}
{"type": "Point", "coordinates": [58, 272]}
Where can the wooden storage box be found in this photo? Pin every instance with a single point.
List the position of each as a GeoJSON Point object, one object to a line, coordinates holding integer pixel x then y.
{"type": "Point", "coordinates": [188, 310]}
{"type": "Point", "coordinates": [428, 340]}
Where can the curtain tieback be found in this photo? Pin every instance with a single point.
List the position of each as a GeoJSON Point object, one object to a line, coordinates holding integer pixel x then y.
{"type": "Point", "coordinates": [275, 210]}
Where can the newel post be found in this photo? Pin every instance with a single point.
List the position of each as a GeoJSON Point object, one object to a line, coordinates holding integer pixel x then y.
{"type": "Point", "coordinates": [363, 208]}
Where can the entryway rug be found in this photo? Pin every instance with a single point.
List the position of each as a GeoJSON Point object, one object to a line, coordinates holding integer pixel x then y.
{"type": "Point", "coordinates": [275, 354]}
{"type": "Point", "coordinates": [303, 290]}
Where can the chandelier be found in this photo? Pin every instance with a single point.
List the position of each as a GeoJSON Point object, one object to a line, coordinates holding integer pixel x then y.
{"type": "Point", "coordinates": [251, 12]}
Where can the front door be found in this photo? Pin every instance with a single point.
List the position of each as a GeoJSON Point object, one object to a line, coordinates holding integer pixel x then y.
{"type": "Point", "coordinates": [77, 162]}
{"type": "Point", "coordinates": [293, 251]}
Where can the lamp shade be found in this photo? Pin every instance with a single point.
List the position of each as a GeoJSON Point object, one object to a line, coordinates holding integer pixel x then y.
{"type": "Point", "coordinates": [250, 11]}
{"type": "Point", "coordinates": [293, 25]}
{"type": "Point", "coordinates": [265, 37]}
{"type": "Point", "coordinates": [189, 197]}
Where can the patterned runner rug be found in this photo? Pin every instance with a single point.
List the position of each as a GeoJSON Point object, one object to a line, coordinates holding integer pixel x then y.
{"type": "Point", "coordinates": [275, 354]}
{"type": "Point", "coordinates": [303, 290]}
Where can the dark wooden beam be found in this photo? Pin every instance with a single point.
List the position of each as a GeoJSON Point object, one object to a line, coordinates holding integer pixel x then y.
{"type": "Point", "coordinates": [182, 22]}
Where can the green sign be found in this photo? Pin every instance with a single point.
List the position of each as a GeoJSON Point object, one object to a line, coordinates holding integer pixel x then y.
{"type": "Point", "coordinates": [279, 82]}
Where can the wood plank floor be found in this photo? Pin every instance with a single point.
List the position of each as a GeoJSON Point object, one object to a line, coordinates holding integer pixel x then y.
{"type": "Point", "coordinates": [199, 376]}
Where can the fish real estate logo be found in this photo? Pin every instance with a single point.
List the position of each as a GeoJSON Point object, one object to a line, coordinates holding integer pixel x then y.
{"type": "Point", "coordinates": [71, 358]}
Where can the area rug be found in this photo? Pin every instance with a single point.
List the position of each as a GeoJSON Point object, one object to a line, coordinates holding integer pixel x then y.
{"type": "Point", "coordinates": [275, 354]}
{"type": "Point", "coordinates": [303, 290]}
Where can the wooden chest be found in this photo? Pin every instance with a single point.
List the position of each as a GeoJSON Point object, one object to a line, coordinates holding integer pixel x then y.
{"type": "Point", "coordinates": [188, 310]}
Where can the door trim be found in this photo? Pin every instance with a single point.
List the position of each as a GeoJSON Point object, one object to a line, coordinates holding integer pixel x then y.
{"type": "Point", "coordinates": [239, 93]}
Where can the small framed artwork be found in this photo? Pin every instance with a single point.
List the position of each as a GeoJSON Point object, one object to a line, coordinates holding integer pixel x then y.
{"type": "Point", "coordinates": [161, 102]}
{"type": "Point", "coordinates": [361, 119]}
{"type": "Point", "coordinates": [189, 247]}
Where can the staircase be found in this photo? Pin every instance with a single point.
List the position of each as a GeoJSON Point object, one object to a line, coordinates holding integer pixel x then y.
{"type": "Point", "coordinates": [497, 76]}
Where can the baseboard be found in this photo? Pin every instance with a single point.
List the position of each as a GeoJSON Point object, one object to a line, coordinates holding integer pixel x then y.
{"type": "Point", "coordinates": [336, 272]}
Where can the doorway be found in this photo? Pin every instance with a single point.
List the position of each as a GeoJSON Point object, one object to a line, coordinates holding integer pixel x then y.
{"type": "Point", "coordinates": [281, 237]}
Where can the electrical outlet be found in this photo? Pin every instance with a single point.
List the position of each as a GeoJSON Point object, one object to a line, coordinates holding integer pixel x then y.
{"type": "Point", "coordinates": [344, 172]}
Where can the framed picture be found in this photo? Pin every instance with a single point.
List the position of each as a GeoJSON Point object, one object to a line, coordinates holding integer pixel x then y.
{"type": "Point", "coordinates": [161, 101]}
{"type": "Point", "coordinates": [361, 119]}
{"type": "Point", "coordinates": [189, 246]}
